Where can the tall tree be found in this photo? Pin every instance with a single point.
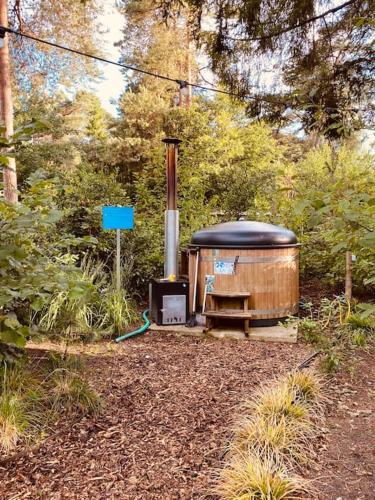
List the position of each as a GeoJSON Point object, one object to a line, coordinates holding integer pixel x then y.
{"type": "Point", "coordinates": [320, 51]}
{"type": "Point", "coordinates": [6, 105]}
{"type": "Point", "coordinates": [67, 22]}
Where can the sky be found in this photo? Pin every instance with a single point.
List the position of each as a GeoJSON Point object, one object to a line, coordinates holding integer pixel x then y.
{"type": "Point", "coordinates": [112, 83]}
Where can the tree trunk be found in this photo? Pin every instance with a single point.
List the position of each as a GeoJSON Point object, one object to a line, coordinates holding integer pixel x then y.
{"type": "Point", "coordinates": [188, 64]}
{"type": "Point", "coordinates": [348, 276]}
{"type": "Point", "coordinates": [6, 108]}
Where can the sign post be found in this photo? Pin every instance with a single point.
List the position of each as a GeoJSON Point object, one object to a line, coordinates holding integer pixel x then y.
{"type": "Point", "coordinates": [118, 218]}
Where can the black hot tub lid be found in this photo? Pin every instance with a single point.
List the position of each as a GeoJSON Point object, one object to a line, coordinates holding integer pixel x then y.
{"type": "Point", "coordinates": [244, 234]}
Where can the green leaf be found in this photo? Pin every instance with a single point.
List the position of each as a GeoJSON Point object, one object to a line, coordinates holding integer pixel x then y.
{"type": "Point", "coordinates": [76, 292]}
{"type": "Point", "coordinates": [338, 247]}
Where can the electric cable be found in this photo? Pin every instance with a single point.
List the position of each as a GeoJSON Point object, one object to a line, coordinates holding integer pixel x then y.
{"type": "Point", "coordinates": [179, 82]}
{"type": "Point", "coordinates": [294, 26]}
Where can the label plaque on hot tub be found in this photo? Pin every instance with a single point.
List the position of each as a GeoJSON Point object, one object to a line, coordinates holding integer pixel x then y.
{"type": "Point", "coordinates": [223, 267]}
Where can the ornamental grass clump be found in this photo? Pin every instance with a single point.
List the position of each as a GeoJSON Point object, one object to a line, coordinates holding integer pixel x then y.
{"type": "Point", "coordinates": [20, 407]}
{"type": "Point", "coordinates": [69, 391]}
{"type": "Point", "coordinates": [264, 437]}
{"type": "Point", "coordinates": [274, 403]}
{"type": "Point", "coordinates": [249, 477]}
{"type": "Point", "coordinates": [273, 436]}
{"type": "Point", "coordinates": [306, 386]}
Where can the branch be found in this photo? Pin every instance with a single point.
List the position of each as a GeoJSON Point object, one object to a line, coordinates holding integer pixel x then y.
{"type": "Point", "coordinates": [295, 26]}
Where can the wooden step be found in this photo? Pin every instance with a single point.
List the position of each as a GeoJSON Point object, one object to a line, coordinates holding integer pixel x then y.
{"type": "Point", "coordinates": [230, 295]}
{"type": "Point", "coordinates": [225, 313]}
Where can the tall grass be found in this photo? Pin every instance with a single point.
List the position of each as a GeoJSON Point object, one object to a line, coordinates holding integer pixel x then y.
{"type": "Point", "coordinates": [20, 406]}
{"type": "Point", "coordinates": [101, 310]}
{"type": "Point", "coordinates": [118, 312]}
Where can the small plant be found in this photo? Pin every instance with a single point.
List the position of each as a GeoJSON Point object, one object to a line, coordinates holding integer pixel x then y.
{"type": "Point", "coordinates": [71, 392]}
{"type": "Point", "coordinates": [306, 385]}
{"type": "Point", "coordinates": [358, 321]}
{"type": "Point", "coordinates": [248, 477]}
{"type": "Point", "coordinates": [311, 331]}
{"type": "Point", "coordinates": [330, 361]}
{"type": "Point", "coordinates": [359, 337]}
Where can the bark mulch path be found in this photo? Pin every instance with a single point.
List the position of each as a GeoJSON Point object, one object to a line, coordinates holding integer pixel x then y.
{"type": "Point", "coordinates": [346, 467]}
{"type": "Point", "coordinates": [170, 401]}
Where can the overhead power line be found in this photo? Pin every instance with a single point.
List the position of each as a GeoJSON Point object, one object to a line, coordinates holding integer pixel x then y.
{"type": "Point", "coordinates": [136, 69]}
{"type": "Point", "coordinates": [295, 26]}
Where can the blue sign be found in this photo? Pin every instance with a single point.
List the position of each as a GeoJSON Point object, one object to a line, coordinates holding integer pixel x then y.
{"type": "Point", "coordinates": [118, 217]}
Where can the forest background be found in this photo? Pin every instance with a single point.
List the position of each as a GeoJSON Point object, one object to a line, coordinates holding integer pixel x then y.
{"type": "Point", "coordinates": [292, 156]}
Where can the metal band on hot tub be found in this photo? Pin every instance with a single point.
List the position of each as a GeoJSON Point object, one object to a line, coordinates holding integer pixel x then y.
{"type": "Point", "coordinates": [282, 311]}
{"type": "Point", "coordinates": [252, 260]}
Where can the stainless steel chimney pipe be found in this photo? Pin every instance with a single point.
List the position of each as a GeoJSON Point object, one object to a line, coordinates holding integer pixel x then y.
{"type": "Point", "coordinates": [171, 238]}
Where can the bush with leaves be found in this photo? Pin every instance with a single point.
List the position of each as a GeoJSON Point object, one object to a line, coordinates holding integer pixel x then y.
{"type": "Point", "coordinates": [330, 203]}
{"type": "Point", "coordinates": [31, 264]}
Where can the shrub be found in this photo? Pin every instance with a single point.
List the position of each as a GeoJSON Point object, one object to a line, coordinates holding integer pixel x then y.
{"type": "Point", "coordinates": [249, 477]}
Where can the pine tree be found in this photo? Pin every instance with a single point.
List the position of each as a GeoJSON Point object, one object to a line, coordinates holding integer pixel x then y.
{"type": "Point", "coordinates": [321, 69]}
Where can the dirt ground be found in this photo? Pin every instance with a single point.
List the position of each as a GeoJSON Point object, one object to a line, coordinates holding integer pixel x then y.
{"type": "Point", "coordinates": [346, 467]}
{"type": "Point", "coordinates": [169, 405]}
{"type": "Point", "coordinates": [169, 401]}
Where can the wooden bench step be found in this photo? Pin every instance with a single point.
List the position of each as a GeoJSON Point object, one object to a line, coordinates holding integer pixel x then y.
{"type": "Point", "coordinates": [224, 313]}
{"type": "Point", "coordinates": [230, 295]}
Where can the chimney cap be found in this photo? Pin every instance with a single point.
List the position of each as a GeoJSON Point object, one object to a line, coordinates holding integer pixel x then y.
{"type": "Point", "coordinates": [171, 140]}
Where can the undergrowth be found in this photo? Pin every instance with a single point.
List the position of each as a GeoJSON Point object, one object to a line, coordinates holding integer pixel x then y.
{"type": "Point", "coordinates": [273, 436]}
{"type": "Point", "coordinates": [89, 311]}
{"type": "Point", "coordinates": [336, 328]}
{"type": "Point", "coordinates": [34, 394]}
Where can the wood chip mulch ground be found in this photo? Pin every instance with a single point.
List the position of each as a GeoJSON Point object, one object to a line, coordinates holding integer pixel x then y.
{"type": "Point", "coordinates": [169, 405]}
{"type": "Point", "coordinates": [346, 466]}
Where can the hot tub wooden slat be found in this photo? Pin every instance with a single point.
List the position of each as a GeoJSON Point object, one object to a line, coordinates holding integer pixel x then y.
{"type": "Point", "coordinates": [229, 294]}
{"type": "Point", "coordinates": [225, 313]}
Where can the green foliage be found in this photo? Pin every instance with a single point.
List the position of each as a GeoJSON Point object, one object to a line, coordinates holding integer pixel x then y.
{"type": "Point", "coordinates": [20, 405]}
{"type": "Point", "coordinates": [69, 391]}
{"type": "Point", "coordinates": [335, 328]}
{"type": "Point", "coordinates": [31, 264]}
{"type": "Point", "coordinates": [310, 330]}
{"type": "Point", "coordinates": [330, 205]}
{"type": "Point", "coordinates": [325, 80]}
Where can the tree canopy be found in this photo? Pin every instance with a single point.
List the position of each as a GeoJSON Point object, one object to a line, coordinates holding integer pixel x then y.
{"type": "Point", "coordinates": [300, 63]}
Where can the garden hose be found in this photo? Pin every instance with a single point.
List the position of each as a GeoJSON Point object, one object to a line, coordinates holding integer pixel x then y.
{"type": "Point", "coordinates": [142, 329]}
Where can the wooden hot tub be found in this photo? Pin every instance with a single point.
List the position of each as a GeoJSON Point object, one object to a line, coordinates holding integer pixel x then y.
{"type": "Point", "coordinates": [246, 256]}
